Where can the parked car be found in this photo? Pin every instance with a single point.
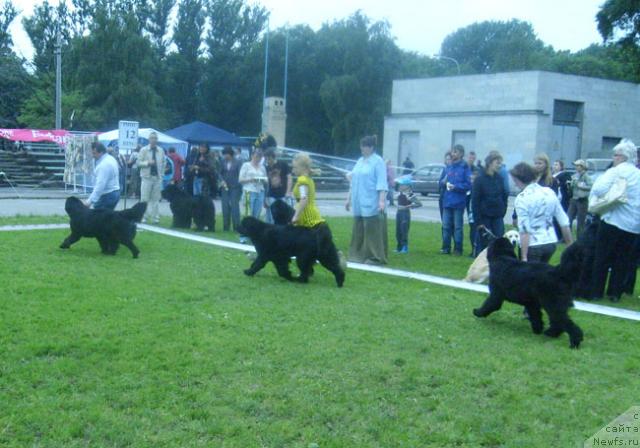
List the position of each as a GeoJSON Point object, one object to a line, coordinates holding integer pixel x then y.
{"type": "Point", "coordinates": [426, 178]}
{"type": "Point", "coordinates": [596, 167]}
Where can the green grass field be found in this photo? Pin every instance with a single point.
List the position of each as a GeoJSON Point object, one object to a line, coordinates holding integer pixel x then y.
{"type": "Point", "coordinates": [179, 348]}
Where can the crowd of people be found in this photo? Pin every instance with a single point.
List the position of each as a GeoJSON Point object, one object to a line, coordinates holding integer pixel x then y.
{"type": "Point", "coordinates": [550, 199]}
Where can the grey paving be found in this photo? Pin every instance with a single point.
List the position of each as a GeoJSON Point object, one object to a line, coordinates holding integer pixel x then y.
{"type": "Point", "coordinates": [51, 203]}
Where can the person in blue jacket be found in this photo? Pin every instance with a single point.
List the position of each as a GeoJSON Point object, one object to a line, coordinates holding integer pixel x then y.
{"type": "Point", "coordinates": [456, 183]}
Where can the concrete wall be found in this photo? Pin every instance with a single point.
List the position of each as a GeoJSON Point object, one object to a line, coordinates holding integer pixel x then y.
{"type": "Point", "coordinates": [510, 112]}
{"type": "Point", "coordinates": [514, 137]}
{"type": "Point", "coordinates": [610, 108]}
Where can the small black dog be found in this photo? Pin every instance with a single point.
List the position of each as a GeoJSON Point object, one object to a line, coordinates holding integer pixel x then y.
{"type": "Point", "coordinates": [109, 227]}
{"type": "Point", "coordinates": [536, 286]}
{"type": "Point", "coordinates": [279, 243]}
{"type": "Point", "coordinates": [186, 208]}
{"type": "Point", "coordinates": [282, 213]}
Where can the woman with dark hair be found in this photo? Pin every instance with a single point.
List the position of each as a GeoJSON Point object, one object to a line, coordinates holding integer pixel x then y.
{"type": "Point", "coordinates": [537, 207]}
{"type": "Point", "coordinates": [367, 197]}
{"type": "Point", "coordinates": [202, 172]}
{"type": "Point", "coordinates": [231, 189]}
{"type": "Point", "coordinates": [489, 199]}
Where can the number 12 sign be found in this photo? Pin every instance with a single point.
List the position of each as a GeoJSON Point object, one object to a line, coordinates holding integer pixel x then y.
{"type": "Point", "coordinates": [127, 135]}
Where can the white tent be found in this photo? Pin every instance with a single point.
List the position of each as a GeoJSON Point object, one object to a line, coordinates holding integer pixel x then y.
{"type": "Point", "coordinates": [164, 140]}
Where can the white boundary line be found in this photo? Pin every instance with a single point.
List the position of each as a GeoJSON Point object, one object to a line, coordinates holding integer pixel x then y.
{"type": "Point", "coordinates": [33, 227]}
{"type": "Point", "coordinates": [582, 306]}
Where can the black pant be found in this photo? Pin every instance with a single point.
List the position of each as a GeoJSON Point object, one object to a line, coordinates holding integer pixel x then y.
{"type": "Point", "coordinates": [542, 253]}
{"type": "Point", "coordinates": [403, 222]}
{"type": "Point", "coordinates": [614, 250]}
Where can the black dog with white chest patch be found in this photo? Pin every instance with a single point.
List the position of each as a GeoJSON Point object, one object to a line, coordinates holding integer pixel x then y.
{"type": "Point", "coordinates": [277, 244]}
{"type": "Point", "coordinates": [536, 286]}
{"type": "Point", "coordinates": [110, 228]}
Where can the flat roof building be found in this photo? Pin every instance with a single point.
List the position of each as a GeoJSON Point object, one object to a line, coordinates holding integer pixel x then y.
{"type": "Point", "coordinates": [518, 114]}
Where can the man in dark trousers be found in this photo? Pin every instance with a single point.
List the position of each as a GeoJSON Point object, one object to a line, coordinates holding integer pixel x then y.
{"type": "Point", "coordinates": [230, 189]}
{"type": "Point", "coordinates": [456, 181]}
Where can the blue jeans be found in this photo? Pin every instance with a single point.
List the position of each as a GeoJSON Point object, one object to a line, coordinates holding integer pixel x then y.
{"type": "Point", "coordinates": [107, 201]}
{"type": "Point", "coordinates": [230, 199]}
{"type": "Point", "coordinates": [452, 223]}
{"type": "Point", "coordinates": [256, 203]}
{"type": "Point", "coordinates": [198, 183]}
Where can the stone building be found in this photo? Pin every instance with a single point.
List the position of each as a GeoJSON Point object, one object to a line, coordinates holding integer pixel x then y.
{"type": "Point", "coordinates": [274, 118]}
{"type": "Point", "coordinates": [518, 114]}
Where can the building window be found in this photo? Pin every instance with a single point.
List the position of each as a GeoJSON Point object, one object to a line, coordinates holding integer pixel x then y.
{"type": "Point", "coordinates": [609, 142]}
{"type": "Point", "coordinates": [567, 113]}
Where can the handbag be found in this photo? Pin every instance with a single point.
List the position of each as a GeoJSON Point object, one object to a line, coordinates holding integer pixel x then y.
{"type": "Point", "coordinates": [616, 195]}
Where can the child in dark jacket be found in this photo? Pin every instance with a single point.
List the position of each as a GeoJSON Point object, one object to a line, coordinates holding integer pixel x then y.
{"type": "Point", "coordinates": [406, 200]}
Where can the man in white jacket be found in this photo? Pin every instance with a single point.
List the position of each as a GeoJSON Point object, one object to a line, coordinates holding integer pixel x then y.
{"type": "Point", "coordinates": [151, 163]}
{"type": "Point", "coordinates": [106, 189]}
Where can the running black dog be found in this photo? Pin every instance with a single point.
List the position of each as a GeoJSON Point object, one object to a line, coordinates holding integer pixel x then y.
{"type": "Point", "coordinates": [109, 227]}
{"type": "Point", "coordinates": [536, 286]}
{"type": "Point", "coordinates": [186, 208]}
{"type": "Point", "coordinates": [279, 243]}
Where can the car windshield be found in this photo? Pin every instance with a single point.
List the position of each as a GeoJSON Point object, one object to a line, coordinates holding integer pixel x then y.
{"type": "Point", "coordinates": [598, 164]}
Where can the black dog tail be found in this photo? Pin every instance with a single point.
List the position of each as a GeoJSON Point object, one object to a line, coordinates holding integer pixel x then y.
{"type": "Point", "coordinates": [571, 262]}
{"type": "Point", "coordinates": [135, 213]}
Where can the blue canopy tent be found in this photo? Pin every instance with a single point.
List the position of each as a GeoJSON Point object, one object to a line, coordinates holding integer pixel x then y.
{"type": "Point", "coordinates": [199, 132]}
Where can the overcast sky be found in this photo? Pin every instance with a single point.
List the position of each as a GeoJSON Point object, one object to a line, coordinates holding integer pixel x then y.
{"type": "Point", "coordinates": [421, 25]}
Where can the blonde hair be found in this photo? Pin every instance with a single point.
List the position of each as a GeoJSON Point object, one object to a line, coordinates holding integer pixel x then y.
{"type": "Point", "coordinates": [546, 176]}
{"type": "Point", "coordinates": [304, 162]}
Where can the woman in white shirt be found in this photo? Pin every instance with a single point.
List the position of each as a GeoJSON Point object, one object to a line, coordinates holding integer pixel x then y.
{"type": "Point", "coordinates": [536, 207]}
{"type": "Point", "coordinates": [253, 177]}
{"type": "Point", "coordinates": [619, 228]}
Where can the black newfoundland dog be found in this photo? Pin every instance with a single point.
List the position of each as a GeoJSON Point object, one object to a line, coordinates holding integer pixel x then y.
{"type": "Point", "coordinates": [536, 286]}
{"type": "Point", "coordinates": [186, 208]}
{"type": "Point", "coordinates": [282, 213]}
{"type": "Point", "coordinates": [279, 243]}
{"type": "Point", "coordinates": [109, 227]}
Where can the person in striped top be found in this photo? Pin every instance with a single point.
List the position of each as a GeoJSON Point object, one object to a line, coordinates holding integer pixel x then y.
{"type": "Point", "coordinates": [307, 214]}
{"type": "Point", "coordinates": [304, 192]}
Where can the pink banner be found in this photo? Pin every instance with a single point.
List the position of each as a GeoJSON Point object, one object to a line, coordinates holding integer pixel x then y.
{"type": "Point", "coordinates": [35, 135]}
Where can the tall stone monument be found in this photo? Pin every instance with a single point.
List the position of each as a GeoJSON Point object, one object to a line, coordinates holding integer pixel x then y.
{"type": "Point", "coordinates": [274, 118]}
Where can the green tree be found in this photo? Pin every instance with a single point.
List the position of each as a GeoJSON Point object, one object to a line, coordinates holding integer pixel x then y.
{"type": "Point", "coordinates": [38, 109]}
{"type": "Point", "coordinates": [184, 67]}
{"type": "Point", "coordinates": [116, 67]}
{"type": "Point", "coordinates": [620, 16]}
{"type": "Point", "coordinates": [14, 86]}
{"type": "Point", "coordinates": [14, 80]}
{"type": "Point", "coordinates": [360, 60]}
{"type": "Point", "coordinates": [43, 28]}
{"type": "Point", "coordinates": [494, 46]}
{"type": "Point", "coordinates": [8, 13]}
{"type": "Point", "coordinates": [230, 82]}
{"type": "Point", "coordinates": [158, 24]}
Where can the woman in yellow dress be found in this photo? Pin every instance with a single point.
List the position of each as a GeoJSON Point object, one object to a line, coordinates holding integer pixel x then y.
{"type": "Point", "coordinates": [304, 191]}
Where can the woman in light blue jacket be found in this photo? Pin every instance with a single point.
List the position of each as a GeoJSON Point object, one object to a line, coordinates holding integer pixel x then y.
{"type": "Point", "coordinates": [367, 198]}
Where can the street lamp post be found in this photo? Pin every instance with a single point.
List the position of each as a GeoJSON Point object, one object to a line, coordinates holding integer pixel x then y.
{"type": "Point", "coordinates": [439, 56]}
